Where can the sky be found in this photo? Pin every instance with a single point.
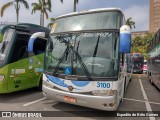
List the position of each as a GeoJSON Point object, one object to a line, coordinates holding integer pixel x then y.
{"type": "Point", "coordinates": [137, 9]}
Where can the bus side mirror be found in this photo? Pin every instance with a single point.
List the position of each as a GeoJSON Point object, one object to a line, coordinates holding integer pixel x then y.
{"type": "Point", "coordinates": [32, 40]}
{"type": "Point", "coordinates": [125, 39]}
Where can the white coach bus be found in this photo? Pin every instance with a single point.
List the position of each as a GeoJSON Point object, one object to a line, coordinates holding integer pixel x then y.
{"type": "Point", "coordinates": [86, 61]}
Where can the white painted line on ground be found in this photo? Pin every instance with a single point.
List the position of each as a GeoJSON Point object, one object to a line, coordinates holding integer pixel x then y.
{"type": "Point", "coordinates": [154, 103]}
{"type": "Point", "coordinates": [140, 101]}
{"type": "Point", "coordinates": [148, 107]}
{"type": "Point", "coordinates": [30, 103]}
{"type": "Point", "coordinates": [133, 100]}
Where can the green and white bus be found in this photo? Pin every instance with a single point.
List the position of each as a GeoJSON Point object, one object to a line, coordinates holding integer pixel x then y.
{"type": "Point", "coordinates": [19, 68]}
{"type": "Point", "coordinates": [86, 60]}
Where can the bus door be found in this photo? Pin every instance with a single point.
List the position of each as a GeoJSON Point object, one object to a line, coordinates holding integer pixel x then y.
{"type": "Point", "coordinates": [36, 49]}
{"type": "Point", "coordinates": [18, 63]}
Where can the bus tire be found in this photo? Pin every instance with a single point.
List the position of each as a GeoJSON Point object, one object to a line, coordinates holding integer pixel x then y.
{"type": "Point", "coordinates": [130, 79]}
{"type": "Point", "coordinates": [150, 79]}
{"type": "Point", "coordinates": [40, 85]}
{"type": "Point", "coordinates": [124, 89]}
{"type": "Point", "coordinates": [124, 86]}
{"type": "Point", "coordinates": [121, 100]}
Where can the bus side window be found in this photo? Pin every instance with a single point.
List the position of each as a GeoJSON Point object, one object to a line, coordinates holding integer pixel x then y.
{"type": "Point", "coordinates": [39, 46]}
{"type": "Point", "coordinates": [20, 48]}
{"type": "Point", "coordinates": [23, 53]}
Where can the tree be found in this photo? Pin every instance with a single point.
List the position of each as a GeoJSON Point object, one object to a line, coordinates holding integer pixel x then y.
{"type": "Point", "coordinates": [75, 5]}
{"type": "Point", "coordinates": [140, 44]}
{"type": "Point", "coordinates": [43, 6]}
{"type": "Point", "coordinates": [130, 22]}
{"type": "Point", "coordinates": [16, 3]}
{"type": "Point", "coordinates": [51, 23]}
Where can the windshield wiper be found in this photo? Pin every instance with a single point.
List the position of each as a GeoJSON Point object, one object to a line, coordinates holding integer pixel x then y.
{"type": "Point", "coordinates": [96, 47]}
{"type": "Point", "coordinates": [81, 62]}
{"type": "Point", "coordinates": [83, 65]}
{"type": "Point", "coordinates": [65, 54]}
{"type": "Point", "coordinates": [61, 60]}
{"type": "Point", "coordinates": [79, 59]}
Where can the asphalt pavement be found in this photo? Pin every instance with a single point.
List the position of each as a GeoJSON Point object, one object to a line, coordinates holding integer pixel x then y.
{"type": "Point", "coordinates": [140, 96]}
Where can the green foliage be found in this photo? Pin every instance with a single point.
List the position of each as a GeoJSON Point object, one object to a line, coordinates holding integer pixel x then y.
{"type": "Point", "coordinates": [16, 3]}
{"type": "Point", "coordinates": [43, 6]}
{"type": "Point", "coordinates": [139, 44]}
{"type": "Point", "coordinates": [52, 20]}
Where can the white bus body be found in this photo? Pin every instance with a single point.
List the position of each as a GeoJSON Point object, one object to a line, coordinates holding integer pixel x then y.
{"type": "Point", "coordinates": [94, 91]}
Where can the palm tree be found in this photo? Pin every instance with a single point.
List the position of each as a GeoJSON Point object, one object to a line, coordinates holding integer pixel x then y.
{"type": "Point", "coordinates": [51, 23]}
{"type": "Point", "coordinates": [75, 3]}
{"type": "Point", "coordinates": [43, 6]}
{"type": "Point", "coordinates": [16, 3]}
{"type": "Point", "coordinates": [130, 22]}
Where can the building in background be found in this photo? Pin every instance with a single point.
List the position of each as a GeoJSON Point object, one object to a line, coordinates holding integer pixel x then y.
{"type": "Point", "coordinates": [154, 19]}
{"type": "Point", "coordinates": [139, 33]}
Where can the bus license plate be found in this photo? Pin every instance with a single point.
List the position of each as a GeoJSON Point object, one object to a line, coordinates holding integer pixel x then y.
{"type": "Point", "coordinates": [70, 99]}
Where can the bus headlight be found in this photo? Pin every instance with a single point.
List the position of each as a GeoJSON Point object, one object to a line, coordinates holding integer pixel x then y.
{"type": "Point", "coordinates": [104, 92]}
{"type": "Point", "coordinates": [1, 78]}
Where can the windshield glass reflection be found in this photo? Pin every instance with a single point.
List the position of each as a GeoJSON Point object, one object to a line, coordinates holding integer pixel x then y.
{"type": "Point", "coordinates": [87, 54]}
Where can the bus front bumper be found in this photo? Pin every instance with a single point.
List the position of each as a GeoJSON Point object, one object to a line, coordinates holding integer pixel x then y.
{"type": "Point", "coordinates": [108, 103]}
{"type": "Point", "coordinates": [145, 71]}
{"type": "Point", "coordinates": [137, 71]}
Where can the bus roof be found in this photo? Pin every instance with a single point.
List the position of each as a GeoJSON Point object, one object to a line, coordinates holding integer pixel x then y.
{"type": "Point", "coordinates": [31, 27]}
{"type": "Point", "coordinates": [21, 24]}
{"type": "Point", "coordinates": [91, 11]}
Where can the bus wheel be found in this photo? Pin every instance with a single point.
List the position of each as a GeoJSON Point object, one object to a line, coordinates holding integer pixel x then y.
{"type": "Point", "coordinates": [124, 89]}
{"type": "Point", "coordinates": [151, 81]}
{"type": "Point", "coordinates": [130, 79]}
{"type": "Point", "coordinates": [124, 85]}
{"type": "Point", "coordinates": [40, 85]}
{"type": "Point", "coordinates": [121, 100]}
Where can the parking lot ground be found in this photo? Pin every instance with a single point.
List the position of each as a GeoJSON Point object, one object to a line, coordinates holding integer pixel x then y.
{"type": "Point", "coordinates": [33, 100]}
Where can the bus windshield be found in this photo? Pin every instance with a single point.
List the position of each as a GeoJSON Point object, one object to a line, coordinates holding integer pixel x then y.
{"type": "Point", "coordinates": [145, 62]}
{"type": "Point", "coordinates": [94, 54]}
{"type": "Point", "coordinates": [5, 45]}
{"type": "Point", "coordinates": [103, 20]}
{"type": "Point", "coordinates": [138, 64]}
